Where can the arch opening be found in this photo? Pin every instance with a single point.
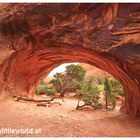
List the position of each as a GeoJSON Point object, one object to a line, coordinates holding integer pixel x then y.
{"type": "Point", "coordinates": [70, 85]}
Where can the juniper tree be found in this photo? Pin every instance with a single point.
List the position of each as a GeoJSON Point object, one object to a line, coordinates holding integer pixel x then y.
{"type": "Point", "coordinates": [67, 81]}
{"type": "Point", "coordinates": [109, 96]}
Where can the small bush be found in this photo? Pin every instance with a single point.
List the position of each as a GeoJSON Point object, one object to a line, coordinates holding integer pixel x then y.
{"type": "Point", "coordinates": [41, 89]}
{"type": "Point", "coordinates": [89, 93]}
{"type": "Point", "coordinates": [117, 88]}
{"type": "Point", "coordinates": [50, 91]}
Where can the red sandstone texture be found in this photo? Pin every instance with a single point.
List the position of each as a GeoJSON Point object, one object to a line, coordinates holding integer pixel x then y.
{"type": "Point", "coordinates": [94, 71]}
{"type": "Point", "coordinates": [39, 37]}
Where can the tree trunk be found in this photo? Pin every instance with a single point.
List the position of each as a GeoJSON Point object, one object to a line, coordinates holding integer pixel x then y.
{"type": "Point", "coordinates": [106, 100]}
{"type": "Point", "coordinates": [78, 104]}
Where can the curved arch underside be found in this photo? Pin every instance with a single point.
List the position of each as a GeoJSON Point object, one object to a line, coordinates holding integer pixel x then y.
{"type": "Point", "coordinates": [29, 67]}
{"type": "Point", "coordinates": [39, 39]}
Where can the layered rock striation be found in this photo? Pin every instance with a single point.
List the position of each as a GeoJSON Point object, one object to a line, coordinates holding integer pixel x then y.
{"type": "Point", "coordinates": [37, 37]}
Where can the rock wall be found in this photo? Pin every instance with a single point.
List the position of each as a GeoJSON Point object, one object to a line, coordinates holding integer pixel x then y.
{"type": "Point", "coordinates": [94, 71]}
{"type": "Point", "coordinates": [43, 36]}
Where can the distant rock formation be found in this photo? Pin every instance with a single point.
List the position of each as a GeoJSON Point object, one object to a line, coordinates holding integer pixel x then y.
{"type": "Point", "coordinates": [94, 71]}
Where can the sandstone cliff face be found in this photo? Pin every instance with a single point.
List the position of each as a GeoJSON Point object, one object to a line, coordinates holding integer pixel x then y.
{"type": "Point", "coordinates": [94, 71]}
{"type": "Point", "coordinates": [43, 36]}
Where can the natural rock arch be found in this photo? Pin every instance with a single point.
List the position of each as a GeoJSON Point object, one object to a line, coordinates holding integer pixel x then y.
{"type": "Point", "coordinates": [27, 71]}
{"type": "Point", "coordinates": [39, 38]}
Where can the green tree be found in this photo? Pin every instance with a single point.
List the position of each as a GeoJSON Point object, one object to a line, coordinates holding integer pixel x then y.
{"type": "Point", "coordinates": [89, 93]}
{"type": "Point", "coordinates": [117, 88]}
{"type": "Point", "coordinates": [109, 96]}
{"type": "Point", "coordinates": [76, 72]}
{"type": "Point", "coordinates": [67, 81]}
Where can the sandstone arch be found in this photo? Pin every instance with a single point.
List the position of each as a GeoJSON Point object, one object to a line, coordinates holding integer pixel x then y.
{"type": "Point", "coordinates": [40, 39]}
{"type": "Point", "coordinates": [28, 70]}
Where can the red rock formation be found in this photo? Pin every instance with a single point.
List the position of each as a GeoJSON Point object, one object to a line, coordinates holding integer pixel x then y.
{"type": "Point", "coordinates": [43, 36]}
{"type": "Point", "coordinates": [94, 71]}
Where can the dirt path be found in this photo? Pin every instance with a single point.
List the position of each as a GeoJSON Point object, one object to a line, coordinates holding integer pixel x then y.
{"type": "Point", "coordinates": [62, 121]}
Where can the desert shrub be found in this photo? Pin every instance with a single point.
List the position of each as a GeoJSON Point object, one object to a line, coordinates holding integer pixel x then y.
{"type": "Point", "coordinates": [57, 84]}
{"type": "Point", "coordinates": [41, 88]}
{"type": "Point", "coordinates": [89, 93]}
{"type": "Point", "coordinates": [100, 88]}
{"type": "Point", "coordinates": [117, 88]}
{"type": "Point", "coordinates": [50, 91]}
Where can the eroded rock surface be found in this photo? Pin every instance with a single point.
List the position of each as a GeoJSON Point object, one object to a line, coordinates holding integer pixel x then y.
{"type": "Point", "coordinates": [43, 36]}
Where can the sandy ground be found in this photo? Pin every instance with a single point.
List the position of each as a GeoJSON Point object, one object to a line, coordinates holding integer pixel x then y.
{"type": "Point", "coordinates": [65, 121]}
